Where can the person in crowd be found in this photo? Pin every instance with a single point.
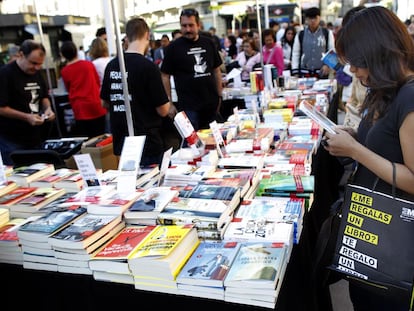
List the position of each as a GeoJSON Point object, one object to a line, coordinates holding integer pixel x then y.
{"type": "Point", "coordinates": [101, 33]}
{"type": "Point", "coordinates": [195, 62]}
{"type": "Point", "coordinates": [232, 50]}
{"type": "Point", "coordinates": [13, 53]}
{"type": "Point", "coordinates": [385, 131]}
{"type": "Point", "coordinates": [24, 101]}
{"type": "Point", "coordinates": [99, 55]}
{"type": "Point", "coordinates": [159, 53]}
{"type": "Point", "coordinates": [272, 52]}
{"type": "Point", "coordinates": [287, 46]}
{"type": "Point", "coordinates": [254, 33]}
{"type": "Point", "coordinates": [309, 45]}
{"type": "Point", "coordinates": [82, 84]}
{"type": "Point", "coordinates": [149, 101]}
{"type": "Point", "coordinates": [248, 59]}
{"type": "Point", "coordinates": [176, 33]}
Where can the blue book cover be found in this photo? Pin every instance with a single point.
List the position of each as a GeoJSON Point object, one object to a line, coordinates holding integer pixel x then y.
{"type": "Point", "coordinates": [209, 264]}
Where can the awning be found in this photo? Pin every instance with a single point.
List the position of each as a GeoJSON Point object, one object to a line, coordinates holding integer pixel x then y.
{"type": "Point", "coordinates": [166, 28]}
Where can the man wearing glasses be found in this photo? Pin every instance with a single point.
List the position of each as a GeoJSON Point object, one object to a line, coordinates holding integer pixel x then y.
{"type": "Point", "coordinates": [309, 46]}
{"type": "Point", "coordinates": [24, 101]}
{"type": "Point", "coordinates": [194, 62]}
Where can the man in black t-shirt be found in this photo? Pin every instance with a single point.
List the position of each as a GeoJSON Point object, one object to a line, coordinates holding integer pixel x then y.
{"type": "Point", "coordinates": [149, 102]}
{"type": "Point", "coordinates": [194, 62]}
{"type": "Point", "coordinates": [24, 101]}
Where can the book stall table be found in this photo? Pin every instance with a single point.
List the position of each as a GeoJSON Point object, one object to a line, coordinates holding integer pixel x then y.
{"type": "Point", "coordinates": [46, 290]}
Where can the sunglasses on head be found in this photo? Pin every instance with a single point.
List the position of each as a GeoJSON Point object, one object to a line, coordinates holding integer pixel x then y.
{"type": "Point", "coordinates": [189, 12]}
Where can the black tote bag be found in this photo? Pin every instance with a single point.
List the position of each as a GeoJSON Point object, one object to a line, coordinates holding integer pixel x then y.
{"type": "Point", "coordinates": [375, 242]}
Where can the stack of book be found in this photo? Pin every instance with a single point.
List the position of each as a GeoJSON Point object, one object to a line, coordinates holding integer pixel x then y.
{"type": "Point", "coordinates": [25, 175]}
{"type": "Point", "coordinates": [271, 210]}
{"type": "Point", "coordinates": [184, 174]}
{"type": "Point", "coordinates": [113, 203]}
{"type": "Point", "coordinates": [250, 175]}
{"type": "Point", "coordinates": [10, 197]}
{"type": "Point", "coordinates": [144, 175]}
{"type": "Point", "coordinates": [157, 261]}
{"type": "Point", "coordinates": [31, 204]}
{"type": "Point", "coordinates": [52, 178]}
{"type": "Point", "coordinates": [75, 244]}
{"type": "Point", "coordinates": [34, 235]}
{"type": "Point", "coordinates": [7, 186]}
{"type": "Point", "coordinates": [242, 160]}
{"type": "Point", "coordinates": [204, 273]}
{"type": "Point", "coordinates": [110, 262]}
{"type": "Point", "coordinates": [10, 247]}
{"type": "Point", "coordinates": [210, 217]}
{"type": "Point", "coordinates": [256, 275]}
{"type": "Point", "coordinates": [145, 210]}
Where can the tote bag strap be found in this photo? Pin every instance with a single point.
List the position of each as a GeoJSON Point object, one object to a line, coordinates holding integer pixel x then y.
{"type": "Point", "coordinates": [394, 181]}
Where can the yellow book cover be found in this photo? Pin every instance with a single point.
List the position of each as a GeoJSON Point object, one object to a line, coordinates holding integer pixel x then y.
{"type": "Point", "coordinates": [162, 241]}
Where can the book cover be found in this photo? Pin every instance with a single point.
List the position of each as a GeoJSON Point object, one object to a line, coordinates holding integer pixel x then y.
{"type": "Point", "coordinates": [259, 230]}
{"type": "Point", "coordinates": [124, 243]}
{"type": "Point", "coordinates": [279, 183]}
{"type": "Point", "coordinates": [150, 203]}
{"type": "Point", "coordinates": [203, 213]}
{"type": "Point", "coordinates": [242, 184]}
{"type": "Point", "coordinates": [24, 175]}
{"type": "Point", "coordinates": [13, 196]}
{"type": "Point", "coordinates": [164, 251]}
{"type": "Point", "coordinates": [40, 228]}
{"type": "Point", "coordinates": [50, 179]}
{"type": "Point", "coordinates": [207, 191]}
{"type": "Point", "coordinates": [257, 265]}
{"type": "Point", "coordinates": [71, 182]}
{"type": "Point", "coordinates": [37, 199]}
{"type": "Point", "coordinates": [84, 231]}
{"type": "Point", "coordinates": [116, 203]}
{"type": "Point", "coordinates": [209, 264]}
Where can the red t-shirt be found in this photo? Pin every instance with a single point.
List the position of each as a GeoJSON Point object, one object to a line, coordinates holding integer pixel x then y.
{"type": "Point", "coordinates": [83, 86]}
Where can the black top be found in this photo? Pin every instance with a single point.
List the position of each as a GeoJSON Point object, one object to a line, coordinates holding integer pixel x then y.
{"type": "Point", "coordinates": [22, 92]}
{"type": "Point", "coordinates": [383, 138]}
{"type": "Point", "coordinates": [192, 64]}
{"type": "Point", "coordinates": [146, 93]}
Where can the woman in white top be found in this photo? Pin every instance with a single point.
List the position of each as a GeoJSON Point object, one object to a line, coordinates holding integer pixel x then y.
{"type": "Point", "coordinates": [248, 58]}
{"type": "Point", "coordinates": [287, 44]}
{"type": "Point", "coordinates": [99, 54]}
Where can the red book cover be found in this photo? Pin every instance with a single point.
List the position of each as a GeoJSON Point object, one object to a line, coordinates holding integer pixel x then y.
{"type": "Point", "coordinates": [15, 195]}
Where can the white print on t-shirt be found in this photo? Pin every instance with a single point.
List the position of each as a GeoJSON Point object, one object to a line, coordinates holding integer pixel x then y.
{"type": "Point", "coordinates": [200, 64]}
{"type": "Point", "coordinates": [33, 87]}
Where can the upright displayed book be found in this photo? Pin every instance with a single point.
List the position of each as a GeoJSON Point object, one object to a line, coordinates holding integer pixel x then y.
{"type": "Point", "coordinates": [256, 275]}
{"type": "Point", "coordinates": [149, 204]}
{"type": "Point", "coordinates": [24, 175]}
{"type": "Point", "coordinates": [84, 231]}
{"type": "Point", "coordinates": [37, 199]}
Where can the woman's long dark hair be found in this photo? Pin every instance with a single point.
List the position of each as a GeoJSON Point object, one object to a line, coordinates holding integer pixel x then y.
{"type": "Point", "coordinates": [376, 39]}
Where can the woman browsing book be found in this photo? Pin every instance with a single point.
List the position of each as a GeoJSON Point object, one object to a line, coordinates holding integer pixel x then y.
{"type": "Point", "coordinates": [385, 132]}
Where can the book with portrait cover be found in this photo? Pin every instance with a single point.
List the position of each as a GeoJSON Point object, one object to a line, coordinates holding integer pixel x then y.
{"type": "Point", "coordinates": [209, 264]}
{"type": "Point", "coordinates": [84, 231]}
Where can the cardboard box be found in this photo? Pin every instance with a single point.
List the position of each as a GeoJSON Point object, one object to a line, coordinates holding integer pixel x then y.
{"type": "Point", "coordinates": [103, 157]}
